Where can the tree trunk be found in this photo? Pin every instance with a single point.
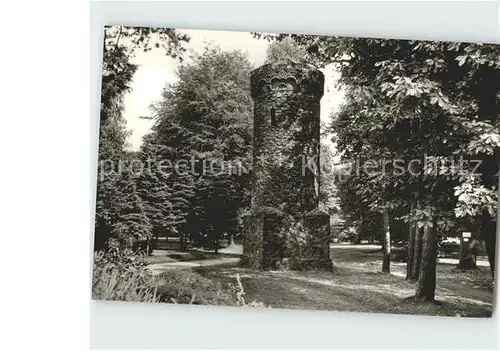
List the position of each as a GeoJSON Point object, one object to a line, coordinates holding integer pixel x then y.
{"type": "Point", "coordinates": [490, 249]}
{"type": "Point", "coordinates": [426, 285]}
{"type": "Point", "coordinates": [489, 235]}
{"type": "Point", "coordinates": [417, 249]}
{"type": "Point", "coordinates": [466, 258]}
{"type": "Point", "coordinates": [182, 240]}
{"type": "Point", "coordinates": [231, 240]}
{"type": "Point", "coordinates": [386, 246]}
{"type": "Point", "coordinates": [486, 94]}
{"type": "Point", "coordinates": [411, 246]}
{"type": "Point", "coordinates": [417, 253]}
{"type": "Point", "coordinates": [216, 245]}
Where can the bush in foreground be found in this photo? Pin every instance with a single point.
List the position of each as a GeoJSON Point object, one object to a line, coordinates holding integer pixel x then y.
{"type": "Point", "coordinates": [186, 287]}
{"type": "Point", "coordinates": [121, 275]}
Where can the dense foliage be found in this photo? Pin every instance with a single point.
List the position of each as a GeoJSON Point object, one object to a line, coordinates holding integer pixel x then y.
{"type": "Point", "coordinates": [122, 275]}
{"type": "Point", "coordinates": [185, 287]}
{"type": "Point", "coordinates": [433, 102]}
{"type": "Point", "coordinates": [120, 217]}
{"type": "Point", "coordinates": [203, 130]}
{"type": "Point", "coordinates": [285, 49]}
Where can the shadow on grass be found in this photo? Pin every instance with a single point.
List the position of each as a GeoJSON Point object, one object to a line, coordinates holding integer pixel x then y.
{"type": "Point", "coordinates": [343, 290]}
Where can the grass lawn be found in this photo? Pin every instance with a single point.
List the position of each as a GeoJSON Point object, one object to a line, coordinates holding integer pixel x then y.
{"type": "Point", "coordinates": [357, 285]}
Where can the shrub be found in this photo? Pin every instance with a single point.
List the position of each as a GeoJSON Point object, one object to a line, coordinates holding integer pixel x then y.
{"type": "Point", "coordinates": [186, 287]}
{"type": "Point", "coordinates": [121, 275]}
{"type": "Point", "coordinates": [124, 276]}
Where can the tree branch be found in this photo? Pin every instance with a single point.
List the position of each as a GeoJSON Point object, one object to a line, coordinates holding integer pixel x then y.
{"type": "Point", "coordinates": [119, 36]}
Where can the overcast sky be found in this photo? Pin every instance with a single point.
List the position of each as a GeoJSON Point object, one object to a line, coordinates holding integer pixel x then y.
{"type": "Point", "coordinates": [156, 70]}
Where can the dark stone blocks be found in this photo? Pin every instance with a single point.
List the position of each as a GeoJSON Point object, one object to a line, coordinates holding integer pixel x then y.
{"type": "Point", "coordinates": [275, 240]}
{"type": "Point", "coordinates": [317, 227]}
{"type": "Point", "coordinates": [264, 246]}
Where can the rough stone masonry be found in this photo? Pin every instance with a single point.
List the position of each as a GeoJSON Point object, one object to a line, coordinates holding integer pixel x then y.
{"type": "Point", "coordinates": [285, 228]}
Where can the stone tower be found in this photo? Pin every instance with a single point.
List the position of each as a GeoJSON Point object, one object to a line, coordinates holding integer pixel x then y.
{"type": "Point", "coordinates": [285, 226]}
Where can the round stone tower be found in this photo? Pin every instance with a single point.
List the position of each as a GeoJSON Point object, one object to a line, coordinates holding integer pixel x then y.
{"type": "Point", "coordinates": [285, 226]}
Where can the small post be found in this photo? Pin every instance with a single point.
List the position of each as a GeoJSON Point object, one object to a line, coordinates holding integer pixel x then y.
{"type": "Point", "coordinates": [466, 258]}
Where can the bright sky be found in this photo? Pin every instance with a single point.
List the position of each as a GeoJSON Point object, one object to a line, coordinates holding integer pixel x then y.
{"type": "Point", "coordinates": [156, 70]}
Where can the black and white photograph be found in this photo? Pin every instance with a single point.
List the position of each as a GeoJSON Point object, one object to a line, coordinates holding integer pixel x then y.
{"type": "Point", "coordinates": [297, 171]}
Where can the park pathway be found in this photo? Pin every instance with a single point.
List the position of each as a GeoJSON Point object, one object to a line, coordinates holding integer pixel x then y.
{"type": "Point", "coordinates": [352, 256]}
{"type": "Point", "coordinates": [158, 268]}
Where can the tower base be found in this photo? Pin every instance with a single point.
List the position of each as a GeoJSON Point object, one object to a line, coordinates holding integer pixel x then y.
{"type": "Point", "coordinates": [274, 240]}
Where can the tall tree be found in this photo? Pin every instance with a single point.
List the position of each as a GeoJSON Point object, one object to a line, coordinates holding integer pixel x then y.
{"type": "Point", "coordinates": [286, 49]}
{"type": "Point", "coordinates": [113, 179]}
{"type": "Point", "coordinates": [203, 125]}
